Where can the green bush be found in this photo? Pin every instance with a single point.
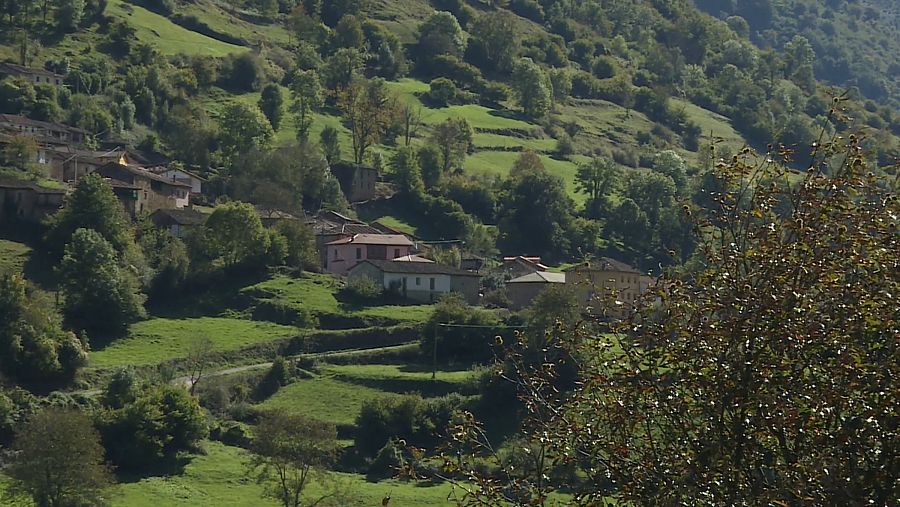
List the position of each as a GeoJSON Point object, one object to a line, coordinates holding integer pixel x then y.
{"type": "Point", "coordinates": [361, 290]}
{"type": "Point", "coordinates": [419, 422]}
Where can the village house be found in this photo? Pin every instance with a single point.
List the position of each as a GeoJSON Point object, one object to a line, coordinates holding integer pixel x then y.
{"type": "Point", "coordinates": [130, 196]}
{"type": "Point", "coordinates": [419, 281]}
{"type": "Point", "coordinates": [520, 265]}
{"type": "Point", "coordinates": [178, 221]}
{"type": "Point", "coordinates": [603, 277]}
{"type": "Point", "coordinates": [28, 202]}
{"type": "Point", "coordinates": [182, 176]}
{"type": "Point", "coordinates": [32, 75]}
{"type": "Point", "coordinates": [155, 192]}
{"type": "Point", "coordinates": [357, 181]}
{"type": "Point", "coordinates": [330, 226]}
{"type": "Point", "coordinates": [42, 131]}
{"type": "Point", "coordinates": [344, 253]}
{"type": "Point", "coordinates": [522, 290]}
{"type": "Point", "coordinates": [273, 217]}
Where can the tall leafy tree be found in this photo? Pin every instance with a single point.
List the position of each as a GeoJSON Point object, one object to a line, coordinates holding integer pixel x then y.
{"type": "Point", "coordinates": [368, 109]}
{"type": "Point", "coordinates": [453, 139]}
{"type": "Point", "coordinates": [68, 14]}
{"type": "Point", "coordinates": [92, 205]}
{"type": "Point", "coordinates": [236, 232]}
{"type": "Point", "coordinates": [271, 103]}
{"type": "Point", "coordinates": [32, 341]}
{"type": "Point", "coordinates": [306, 95]}
{"type": "Point", "coordinates": [597, 178]}
{"type": "Point", "coordinates": [407, 174]}
{"type": "Point", "coordinates": [243, 128]}
{"type": "Point", "coordinates": [101, 297]}
{"type": "Point", "coordinates": [532, 87]}
{"type": "Point", "coordinates": [290, 454]}
{"type": "Point", "coordinates": [495, 42]}
{"type": "Point", "coordinates": [440, 34]}
{"type": "Point", "coordinates": [535, 214]}
{"type": "Point", "coordinates": [58, 460]}
{"type": "Point", "coordinates": [330, 144]}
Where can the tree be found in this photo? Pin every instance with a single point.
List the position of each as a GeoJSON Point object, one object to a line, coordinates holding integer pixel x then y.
{"type": "Point", "coordinates": [33, 343]}
{"type": "Point", "coordinates": [761, 376]}
{"type": "Point", "coordinates": [407, 174]}
{"type": "Point", "coordinates": [197, 359]}
{"type": "Point", "coordinates": [189, 134]}
{"type": "Point", "coordinates": [243, 128]}
{"type": "Point", "coordinates": [237, 232]}
{"type": "Point", "coordinates": [20, 152]}
{"type": "Point", "coordinates": [155, 426]}
{"type": "Point", "coordinates": [532, 88]}
{"type": "Point", "coordinates": [672, 165]}
{"type": "Point", "coordinates": [290, 452]}
{"type": "Point", "coordinates": [58, 461]}
{"type": "Point", "coordinates": [271, 103]}
{"type": "Point", "coordinates": [368, 109]}
{"type": "Point", "coordinates": [68, 14]}
{"type": "Point", "coordinates": [535, 213]}
{"type": "Point", "coordinates": [342, 68]}
{"type": "Point", "coordinates": [597, 178]}
{"type": "Point", "coordinates": [306, 94]}
{"type": "Point", "coordinates": [495, 42]}
{"type": "Point", "coordinates": [411, 118]}
{"type": "Point", "coordinates": [331, 147]}
{"type": "Point", "coordinates": [92, 205]}
{"type": "Point", "coordinates": [301, 244]}
{"type": "Point", "coordinates": [101, 297]}
{"type": "Point", "coordinates": [440, 34]}
{"type": "Point", "coordinates": [348, 33]}
{"type": "Point", "coordinates": [453, 139]}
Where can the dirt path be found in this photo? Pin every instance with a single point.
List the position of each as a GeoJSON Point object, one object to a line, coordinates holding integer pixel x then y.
{"type": "Point", "coordinates": [185, 381]}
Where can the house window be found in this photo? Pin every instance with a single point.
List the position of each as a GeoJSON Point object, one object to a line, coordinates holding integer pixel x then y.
{"type": "Point", "coordinates": [418, 281]}
{"type": "Point", "coordinates": [359, 253]}
{"type": "Point", "coordinates": [396, 253]}
{"type": "Point", "coordinates": [431, 283]}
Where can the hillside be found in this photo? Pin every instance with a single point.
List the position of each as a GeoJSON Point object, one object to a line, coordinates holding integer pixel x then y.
{"type": "Point", "coordinates": [854, 41]}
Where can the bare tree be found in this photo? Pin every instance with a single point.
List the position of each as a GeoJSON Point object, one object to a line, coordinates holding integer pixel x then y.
{"type": "Point", "coordinates": [198, 358]}
{"type": "Point", "coordinates": [411, 116]}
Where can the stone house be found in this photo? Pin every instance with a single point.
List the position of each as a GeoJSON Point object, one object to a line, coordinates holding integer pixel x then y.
{"type": "Point", "coordinates": [344, 253]}
{"type": "Point", "coordinates": [178, 221]}
{"type": "Point", "coordinates": [520, 265]}
{"type": "Point", "coordinates": [419, 281]}
{"type": "Point", "coordinates": [32, 75]}
{"type": "Point", "coordinates": [357, 181]}
{"type": "Point", "coordinates": [28, 202]}
{"type": "Point", "coordinates": [181, 175]}
{"type": "Point", "coordinates": [601, 278]}
{"type": "Point", "coordinates": [522, 290]}
{"type": "Point", "coordinates": [42, 131]}
{"type": "Point", "coordinates": [156, 192]}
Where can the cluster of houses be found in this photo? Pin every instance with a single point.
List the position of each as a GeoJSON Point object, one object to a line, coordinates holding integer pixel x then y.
{"type": "Point", "coordinates": [347, 247]}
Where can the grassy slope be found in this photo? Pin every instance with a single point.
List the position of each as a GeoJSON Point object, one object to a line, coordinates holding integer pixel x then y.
{"type": "Point", "coordinates": [159, 339]}
{"type": "Point", "coordinates": [168, 37]}
{"type": "Point", "coordinates": [218, 478]}
{"type": "Point", "coordinates": [340, 391]}
{"type": "Point", "coordinates": [315, 293]}
{"type": "Point", "coordinates": [13, 256]}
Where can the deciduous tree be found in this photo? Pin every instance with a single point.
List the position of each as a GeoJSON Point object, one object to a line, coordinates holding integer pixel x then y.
{"type": "Point", "coordinates": [290, 453]}
{"type": "Point", "coordinates": [306, 95]}
{"type": "Point", "coordinates": [243, 128]}
{"type": "Point", "coordinates": [368, 109]}
{"type": "Point", "coordinates": [237, 232]}
{"type": "Point", "coordinates": [271, 103]}
{"type": "Point", "coordinates": [101, 296]}
{"type": "Point", "coordinates": [58, 460]}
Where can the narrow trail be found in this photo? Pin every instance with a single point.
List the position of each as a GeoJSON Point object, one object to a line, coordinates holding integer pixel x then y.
{"type": "Point", "coordinates": [185, 381]}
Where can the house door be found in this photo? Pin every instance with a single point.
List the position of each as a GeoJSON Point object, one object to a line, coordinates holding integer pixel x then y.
{"type": "Point", "coordinates": [404, 286]}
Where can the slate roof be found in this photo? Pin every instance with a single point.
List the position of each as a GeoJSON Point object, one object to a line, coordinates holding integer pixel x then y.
{"type": "Point", "coordinates": [604, 264]}
{"type": "Point", "coordinates": [184, 216]}
{"type": "Point", "coordinates": [12, 183]}
{"type": "Point", "coordinates": [540, 277]}
{"type": "Point", "coordinates": [23, 120]}
{"type": "Point", "coordinates": [12, 68]}
{"type": "Point", "coordinates": [374, 239]}
{"type": "Point", "coordinates": [416, 268]}
{"type": "Point", "coordinates": [141, 172]}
